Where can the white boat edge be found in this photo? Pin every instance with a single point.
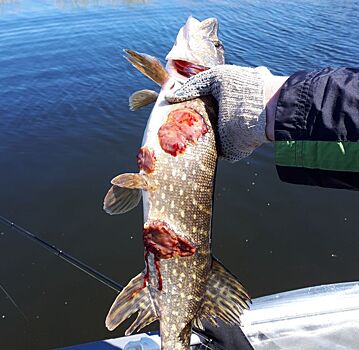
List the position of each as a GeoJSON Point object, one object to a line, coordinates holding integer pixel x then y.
{"type": "Point", "coordinates": [149, 341]}
{"type": "Point", "coordinates": [332, 305]}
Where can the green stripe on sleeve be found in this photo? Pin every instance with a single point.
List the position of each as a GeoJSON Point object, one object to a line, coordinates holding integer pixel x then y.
{"type": "Point", "coordinates": [326, 155]}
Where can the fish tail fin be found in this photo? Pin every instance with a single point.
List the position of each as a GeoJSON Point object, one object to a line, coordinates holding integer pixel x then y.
{"type": "Point", "coordinates": [133, 298]}
{"type": "Point", "coordinates": [150, 66]}
{"type": "Point", "coordinates": [225, 298]}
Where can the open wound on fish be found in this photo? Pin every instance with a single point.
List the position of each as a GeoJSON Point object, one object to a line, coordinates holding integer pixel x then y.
{"type": "Point", "coordinates": [141, 99]}
{"type": "Point", "coordinates": [125, 194]}
{"type": "Point", "coordinates": [146, 159]}
{"type": "Point", "coordinates": [160, 240]}
{"type": "Point", "coordinates": [225, 298]}
{"type": "Point", "coordinates": [133, 298]}
{"type": "Point", "coordinates": [183, 126]}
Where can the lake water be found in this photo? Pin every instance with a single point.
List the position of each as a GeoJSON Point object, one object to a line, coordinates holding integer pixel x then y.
{"type": "Point", "coordinates": [66, 131]}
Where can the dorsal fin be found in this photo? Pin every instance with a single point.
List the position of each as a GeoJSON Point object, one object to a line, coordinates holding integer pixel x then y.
{"type": "Point", "coordinates": [150, 66]}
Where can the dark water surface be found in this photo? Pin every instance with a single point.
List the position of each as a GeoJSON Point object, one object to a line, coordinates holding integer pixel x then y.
{"type": "Point", "coordinates": [65, 131]}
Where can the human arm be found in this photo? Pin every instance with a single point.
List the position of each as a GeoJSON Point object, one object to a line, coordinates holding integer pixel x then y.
{"type": "Point", "coordinates": [272, 87]}
{"type": "Point", "coordinates": [313, 120]}
{"type": "Point", "coordinates": [317, 128]}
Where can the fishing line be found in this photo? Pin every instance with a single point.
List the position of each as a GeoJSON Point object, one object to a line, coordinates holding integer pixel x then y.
{"type": "Point", "coordinates": [100, 277]}
{"type": "Point", "coordinates": [13, 302]}
{"type": "Point", "coordinates": [65, 256]}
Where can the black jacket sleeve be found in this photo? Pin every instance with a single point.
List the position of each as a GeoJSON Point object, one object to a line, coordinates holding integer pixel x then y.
{"type": "Point", "coordinates": [317, 128]}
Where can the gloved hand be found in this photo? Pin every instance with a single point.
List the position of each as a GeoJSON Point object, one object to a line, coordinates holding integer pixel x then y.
{"type": "Point", "coordinates": [240, 95]}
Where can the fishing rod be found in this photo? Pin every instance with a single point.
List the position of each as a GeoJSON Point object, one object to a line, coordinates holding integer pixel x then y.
{"type": "Point", "coordinates": [65, 256]}
{"type": "Point", "coordinates": [86, 268]}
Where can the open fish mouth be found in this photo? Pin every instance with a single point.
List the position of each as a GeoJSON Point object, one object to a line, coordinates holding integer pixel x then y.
{"type": "Point", "coordinates": [186, 69]}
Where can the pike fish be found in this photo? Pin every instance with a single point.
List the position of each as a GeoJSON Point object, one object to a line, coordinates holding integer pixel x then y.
{"type": "Point", "coordinates": [182, 283]}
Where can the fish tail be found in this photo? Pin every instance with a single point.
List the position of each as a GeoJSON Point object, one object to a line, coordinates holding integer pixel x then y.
{"type": "Point", "coordinates": [135, 297]}
{"type": "Point", "coordinates": [150, 66]}
{"type": "Point", "coordinates": [179, 341]}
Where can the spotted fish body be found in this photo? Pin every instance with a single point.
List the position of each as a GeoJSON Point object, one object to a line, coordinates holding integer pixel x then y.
{"type": "Point", "coordinates": [184, 202]}
{"type": "Point", "coordinates": [182, 284]}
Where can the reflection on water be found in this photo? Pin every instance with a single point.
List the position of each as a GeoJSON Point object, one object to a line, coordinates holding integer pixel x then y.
{"type": "Point", "coordinates": [9, 6]}
{"type": "Point", "coordinates": [18, 6]}
{"type": "Point", "coordinates": [66, 131]}
{"type": "Point", "coordinates": [66, 4]}
{"type": "Point", "coordinates": [8, 2]}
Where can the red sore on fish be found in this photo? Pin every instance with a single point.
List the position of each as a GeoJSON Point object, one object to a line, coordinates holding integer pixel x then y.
{"type": "Point", "coordinates": [163, 242]}
{"type": "Point", "coordinates": [183, 125]}
{"type": "Point", "coordinates": [146, 159]}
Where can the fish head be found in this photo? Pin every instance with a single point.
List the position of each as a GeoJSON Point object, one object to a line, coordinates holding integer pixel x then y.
{"type": "Point", "coordinates": [196, 48]}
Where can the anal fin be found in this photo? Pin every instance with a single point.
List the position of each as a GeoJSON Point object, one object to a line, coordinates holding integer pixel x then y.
{"type": "Point", "coordinates": [142, 98]}
{"type": "Point", "coordinates": [225, 298]}
{"type": "Point", "coordinates": [133, 298]}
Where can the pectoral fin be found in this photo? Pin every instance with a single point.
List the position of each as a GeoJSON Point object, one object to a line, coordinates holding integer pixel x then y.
{"type": "Point", "coordinates": [125, 194]}
{"type": "Point", "coordinates": [142, 98]}
{"type": "Point", "coordinates": [132, 181]}
{"type": "Point", "coordinates": [225, 298]}
{"type": "Point", "coordinates": [148, 65]}
{"type": "Point", "coordinates": [119, 200]}
{"type": "Point", "coordinates": [133, 298]}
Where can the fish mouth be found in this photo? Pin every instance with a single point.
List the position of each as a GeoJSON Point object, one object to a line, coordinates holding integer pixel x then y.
{"type": "Point", "coordinates": [187, 69]}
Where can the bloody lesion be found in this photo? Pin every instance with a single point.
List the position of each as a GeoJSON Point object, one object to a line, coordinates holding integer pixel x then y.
{"type": "Point", "coordinates": [183, 126]}
{"type": "Point", "coordinates": [160, 240]}
{"type": "Point", "coordinates": [187, 69]}
{"type": "Point", "coordinates": [146, 159]}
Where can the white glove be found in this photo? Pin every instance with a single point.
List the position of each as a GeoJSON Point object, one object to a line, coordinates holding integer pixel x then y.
{"type": "Point", "coordinates": [242, 115]}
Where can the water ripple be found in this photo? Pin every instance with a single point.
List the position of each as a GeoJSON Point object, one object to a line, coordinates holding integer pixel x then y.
{"type": "Point", "coordinates": [66, 130]}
